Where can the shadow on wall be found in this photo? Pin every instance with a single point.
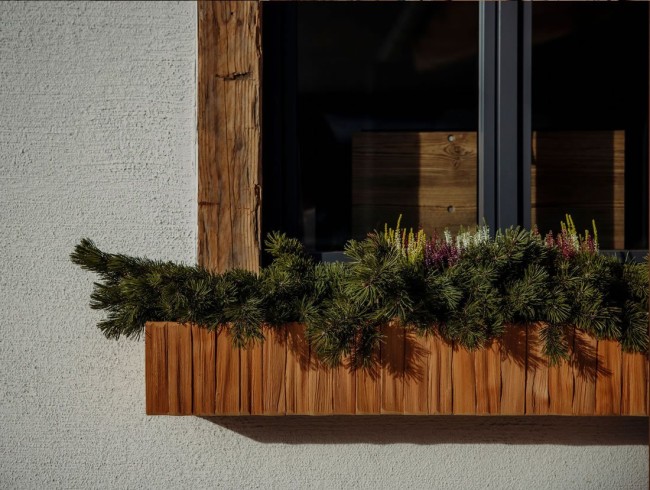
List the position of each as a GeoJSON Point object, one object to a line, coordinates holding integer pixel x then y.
{"type": "Point", "coordinates": [453, 429]}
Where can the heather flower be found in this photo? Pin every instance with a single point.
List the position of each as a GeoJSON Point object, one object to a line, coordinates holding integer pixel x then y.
{"type": "Point", "coordinates": [550, 241]}
{"type": "Point", "coordinates": [441, 253]}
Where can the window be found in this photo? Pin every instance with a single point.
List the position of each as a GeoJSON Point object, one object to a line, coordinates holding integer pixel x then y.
{"type": "Point", "coordinates": [449, 113]}
{"type": "Point", "coordinates": [538, 109]}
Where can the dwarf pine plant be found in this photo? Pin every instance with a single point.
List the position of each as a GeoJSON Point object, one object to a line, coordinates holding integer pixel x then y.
{"type": "Point", "coordinates": [468, 288]}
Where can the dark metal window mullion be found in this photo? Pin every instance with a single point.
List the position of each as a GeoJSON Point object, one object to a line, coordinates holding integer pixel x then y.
{"type": "Point", "coordinates": [525, 109]}
{"type": "Point", "coordinates": [487, 123]}
{"type": "Point", "coordinates": [504, 114]}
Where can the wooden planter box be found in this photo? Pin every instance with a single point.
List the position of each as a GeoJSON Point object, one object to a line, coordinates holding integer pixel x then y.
{"type": "Point", "coordinates": [190, 371]}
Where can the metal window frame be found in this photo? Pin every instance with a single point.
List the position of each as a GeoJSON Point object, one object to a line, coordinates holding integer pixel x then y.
{"type": "Point", "coordinates": [504, 130]}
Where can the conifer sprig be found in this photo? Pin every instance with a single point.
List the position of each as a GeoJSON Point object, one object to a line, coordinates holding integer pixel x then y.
{"type": "Point", "coordinates": [466, 287]}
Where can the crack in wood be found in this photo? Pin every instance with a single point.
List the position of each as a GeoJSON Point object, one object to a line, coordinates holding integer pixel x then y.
{"type": "Point", "coordinates": [238, 75]}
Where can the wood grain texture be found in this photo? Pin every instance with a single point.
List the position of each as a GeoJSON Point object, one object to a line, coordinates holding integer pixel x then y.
{"type": "Point", "coordinates": [157, 393]}
{"type": "Point", "coordinates": [368, 387]}
{"type": "Point", "coordinates": [297, 370]}
{"type": "Point", "coordinates": [392, 369]}
{"type": "Point", "coordinates": [513, 370]}
{"type": "Point", "coordinates": [229, 138]}
{"type": "Point", "coordinates": [204, 374]}
{"type": "Point", "coordinates": [251, 390]}
{"type": "Point", "coordinates": [429, 177]}
{"type": "Point", "coordinates": [179, 368]}
{"type": "Point", "coordinates": [417, 353]}
{"type": "Point", "coordinates": [187, 365]}
{"type": "Point", "coordinates": [228, 375]}
{"type": "Point", "coordinates": [344, 393]}
{"type": "Point", "coordinates": [585, 364]}
{"type": "Point", "coordinates": [537, 373]}
{"type": "Point", "coordinates": [581, 173]}
{"type": "Point", "coordinates": [487, 369]}
{"type": "Point", "coordinates": [463, 379]}
{"type": "Point", "coordinates": [561, 381]}
{"type": "Point", "coordinates": [321, 388]}
{"type": "Point", "coordinates": [634, 380]}
{"type": "Point", "coordinates": [439, 390]}
{"type": "Point", "coordinates": [274, 358]}
{"type": "Point", "coordinates": [608, 378]}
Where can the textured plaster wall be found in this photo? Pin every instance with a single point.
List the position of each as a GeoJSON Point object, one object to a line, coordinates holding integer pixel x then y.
{"type": "Point", "coordinates": [97, 139]}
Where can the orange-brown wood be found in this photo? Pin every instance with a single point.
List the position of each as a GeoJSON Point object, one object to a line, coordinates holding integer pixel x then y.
{"type": "Point", "coordinates": [228, 375]}
{"type": "Point", "coordinates": [157, 398]}
{"type": "Point", "coordinates": [463, 379]}
{"type": "Point", "coordinates": [392, 368]}
{"type": "Point", "coordinates": [417, 354]}
{"type": "Point", "coordinates": [179, 368]}
{"type": "Point", "coordinates": [487, 368]}
{"type": "Point", "coordinates": [297, 370]}
{"type": "Point", "coordinates": [251, 368]}
{"type": "Point", "coordinates": [561, 381]}
{"type": "Point", "coordinates": [204, 375]}
{"type": "Point", "coordinates": [428, 177]}
{"type": "Point", "coordinates": [513, 370]}
{"type": "Point", "coordinates": [585, 353]}
{"type": "Point", "coordinates": [186, 365]}
{"type": "Point", "coordinates": [344, 393]}
{"type": "Point", "coordinates": [440, 381]}
{"type": "Point", "coordinates": [634, 399]}
{"type": "Point", "coordinates": [274, 358]}
{"type": "Point", "coordinates": [368, 387]}
{"type": "Point", "coordinates": [229, 139]}
{"type": "Point", "coordinates": [321, 388]}
{"type": "Point", "coordinates": [608, 378]}
{"type": "Point", "coordinates": [538, 400]}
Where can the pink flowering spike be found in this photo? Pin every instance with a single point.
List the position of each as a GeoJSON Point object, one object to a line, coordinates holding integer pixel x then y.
{"type": "Point", "coordinates": [550, 241]}
{"type": "Point", "coordinates": [591, 246]}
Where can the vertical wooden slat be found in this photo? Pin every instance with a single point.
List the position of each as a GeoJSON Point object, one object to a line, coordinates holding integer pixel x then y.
{"type": "Point", "coordinates": [392, 369]}
{"type": "Point", "coordinates": [320, 388]}
{"type": "Point", "coordinates": [440, 378]}
{"type": "Point", "coordinates": [229, 167]}
{"type": "Point", "coordinates": [537, 373]}
{"type": "Point", "coordinates": [368, 386]}
{"type": "Point", "coordinates": [204, 375]}
{"type": "Point", "coordinates": [513, 370]}
{"type": "Point", "coordinates": [156, 369]}
{"type": "Point", "coordinates": [487, 368]}
{"type": "Point", "coordinates": [251, 367]}
{"type": "Point", "coordinates": [635, 382]}
{"type": "Point", "coordinates": [416, 373]}
{"type": "Point", "coordinates": [297, 371]}
{"type": "Point", "coordinates": [344, 391]}
{"type": "Point", "coordinates": [274, 358]}
{"type": "Point", "coordinates": [463, 379]}
{"type": "Point", "coordinates": [608, 378]}
{"type": "Point", "coordinates": [561, 381]}
{"type": "Point", "coordinates": [228, 371]}
{"type": "Point", "coordinates": [585, 351]}
{"type": "Point", "coordinates": [179, 368]}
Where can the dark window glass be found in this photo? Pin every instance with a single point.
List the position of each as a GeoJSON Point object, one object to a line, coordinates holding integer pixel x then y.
{"type": "Point", "coordinates": [370, 110]}
{"type": "Point", "coordinates": [590, 118]}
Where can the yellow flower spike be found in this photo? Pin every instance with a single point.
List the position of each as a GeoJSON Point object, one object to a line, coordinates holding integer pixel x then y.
{"type": "Point", "coordinates": [593, 225]}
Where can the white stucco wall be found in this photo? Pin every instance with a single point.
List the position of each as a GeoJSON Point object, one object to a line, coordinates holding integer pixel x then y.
{"type": "Point", "coordinates": [97, 139]}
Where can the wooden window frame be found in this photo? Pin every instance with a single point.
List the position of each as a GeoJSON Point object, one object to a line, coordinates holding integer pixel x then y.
{"type": "Point", "coordinates": [229, 134]}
